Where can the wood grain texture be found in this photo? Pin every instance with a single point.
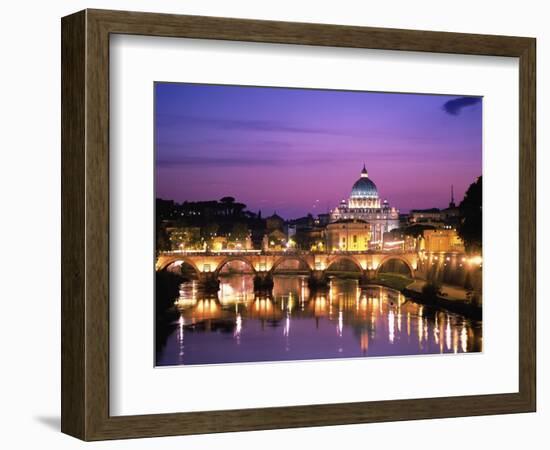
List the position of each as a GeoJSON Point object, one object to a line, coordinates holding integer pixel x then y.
{"type": "Point", "coordinates": [73, 262]}
{"type": "Point", "coordinates": [527, 224]}
{"type": "Point", "coordinates": [151, 24]}
{"type": "Point", "coordinates": [85, 224]}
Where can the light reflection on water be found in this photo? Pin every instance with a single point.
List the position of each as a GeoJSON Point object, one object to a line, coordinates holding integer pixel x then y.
{"type": "Point", "coordinates": [291, 323]}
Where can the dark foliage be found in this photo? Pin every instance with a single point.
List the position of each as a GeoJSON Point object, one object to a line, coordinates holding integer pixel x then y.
{"type": "Point", "coordinates": [470, 227]}
{"type": "Point", "coordinates": [225, 217]}
{"type": "Point", "coordinates": [166, 289]}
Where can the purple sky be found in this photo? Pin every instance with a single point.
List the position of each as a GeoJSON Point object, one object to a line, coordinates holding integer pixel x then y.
{"type": "Point", "coordinates": [296, 151]}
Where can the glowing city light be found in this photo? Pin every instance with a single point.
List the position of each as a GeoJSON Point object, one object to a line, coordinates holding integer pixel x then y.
{"type": "Point", "coordinates": [391, 326]}
{"type": "Point", "coordinates": [238, 325]}
{"type": "Point", "coordinates": [476, 260]}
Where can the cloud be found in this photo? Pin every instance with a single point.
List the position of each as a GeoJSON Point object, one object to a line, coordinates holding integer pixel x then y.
{"type": "Point", "coordinates": [178, 121]}
{"type": "Point", "coordinates": [177, 143]}
{"type": "Point", "coordinates": [235, 161]}
{"type": "Point", "coordinates": [454, 107]}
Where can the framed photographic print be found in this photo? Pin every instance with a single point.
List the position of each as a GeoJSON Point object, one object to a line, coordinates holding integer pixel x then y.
{"type": "Point", "coordinates": [271, 224]}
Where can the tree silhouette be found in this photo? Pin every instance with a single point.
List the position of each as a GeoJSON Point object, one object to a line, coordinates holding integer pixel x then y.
{"type": "Point", "coordinates": [470, 227]}
{"type": "Point", "coordinates": [227, 203]}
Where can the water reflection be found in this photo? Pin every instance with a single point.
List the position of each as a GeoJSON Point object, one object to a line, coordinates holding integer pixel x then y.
{"type": "Point", "coordinates": [289, 323]}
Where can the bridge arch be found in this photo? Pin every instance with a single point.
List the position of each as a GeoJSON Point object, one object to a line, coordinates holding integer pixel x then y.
{"type": "Point", "coordinates": [396, 258]}
{"type": "Point", "coordinates": [340, 258]}
{"type": "Point", "coordinates": [168, 262]}
{"type": "Point", "coordinates": [285, 258]}
{"type": "Point", "coordinates": [234, 258]}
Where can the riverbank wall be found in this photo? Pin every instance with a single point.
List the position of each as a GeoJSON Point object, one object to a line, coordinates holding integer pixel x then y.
{"type": "Point", "coordinates": [464, 308]}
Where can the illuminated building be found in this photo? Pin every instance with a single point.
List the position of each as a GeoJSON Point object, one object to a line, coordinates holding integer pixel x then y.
{"type": "Point", "coordinates": [183, 238]}
{"type": "Point", "coordinates": [224, 243]}
{"type": "Point", "coordinates": [348, 235]}
{"type": "Point", "coordinates": [275, 240]}
{"type": "Point", "coordinates": [364, 204]}
{"type": "Point", "coordinates": [219, 243]}
{"type": "Point", "coordinates": [442, 241]}
{"type": "Point", "coordinates": [398, 241]}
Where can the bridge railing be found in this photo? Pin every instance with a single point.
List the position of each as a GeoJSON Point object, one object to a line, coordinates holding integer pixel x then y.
{"type": "Point", "coordinates": [279, 252]}
{"type": "Point", "coordinates": [209, 252]}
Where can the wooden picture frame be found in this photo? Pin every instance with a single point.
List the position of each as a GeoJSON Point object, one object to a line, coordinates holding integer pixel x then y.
{"type": "Point", "coordinates": [85, 224]}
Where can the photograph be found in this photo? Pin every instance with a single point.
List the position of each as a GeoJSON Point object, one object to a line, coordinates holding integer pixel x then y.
{"type": "Point", "coordinates": [300, 224]}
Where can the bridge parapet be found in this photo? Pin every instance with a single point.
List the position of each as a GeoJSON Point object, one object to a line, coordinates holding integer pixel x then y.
{"type": "Point", "coordinates": [213, 262]}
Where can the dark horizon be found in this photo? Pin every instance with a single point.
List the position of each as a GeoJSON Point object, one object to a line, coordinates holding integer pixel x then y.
{"type": "Point", "coordinates": [267, 212]}
{"type": "Point", "coordinates": [299, 151]}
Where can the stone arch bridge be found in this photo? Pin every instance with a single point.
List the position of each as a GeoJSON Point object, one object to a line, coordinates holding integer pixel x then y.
{"type": "Point", "coordinates": [208, 265]}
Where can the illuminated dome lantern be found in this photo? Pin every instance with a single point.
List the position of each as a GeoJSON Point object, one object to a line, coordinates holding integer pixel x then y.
{"type": "Point", "coordinates": [364, 204]}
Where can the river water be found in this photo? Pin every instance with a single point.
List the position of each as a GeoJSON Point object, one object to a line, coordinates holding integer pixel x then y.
{"type": "Point", "coordinates": [292, 323]}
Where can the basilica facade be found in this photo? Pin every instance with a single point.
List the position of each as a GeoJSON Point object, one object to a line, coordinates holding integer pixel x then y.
{"type": "Point", "coordinates": [364, 204]}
